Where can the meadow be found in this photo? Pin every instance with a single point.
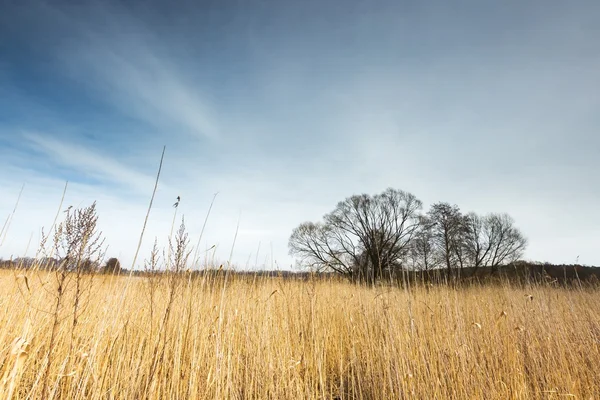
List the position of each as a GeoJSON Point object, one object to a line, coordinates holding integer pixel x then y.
{"type": "Point", "coordinates": [228, 336]}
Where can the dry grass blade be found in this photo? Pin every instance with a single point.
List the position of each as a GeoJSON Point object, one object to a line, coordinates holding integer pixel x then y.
{"type": "Point", "coordinates": [14, 367]}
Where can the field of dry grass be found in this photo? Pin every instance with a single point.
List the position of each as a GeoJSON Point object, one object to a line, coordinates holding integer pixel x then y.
{"type": "Point", "coordinates": [243, 337]}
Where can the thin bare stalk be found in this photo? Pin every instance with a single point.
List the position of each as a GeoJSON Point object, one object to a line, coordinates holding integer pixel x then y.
{"type": "Point", "coordinates": [234, 240]}
{"type": "Point", "coordinates": [137, 250]}
{"type": "Point", "coordinates": [195, 259]}
{"type": "Point", "coordinates": [60, 205]}
{"type": "Point", "coordinates": [4, 231]}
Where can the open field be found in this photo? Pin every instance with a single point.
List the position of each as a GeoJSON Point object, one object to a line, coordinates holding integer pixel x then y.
{"type": "Point", "coordinates": [245, 337]}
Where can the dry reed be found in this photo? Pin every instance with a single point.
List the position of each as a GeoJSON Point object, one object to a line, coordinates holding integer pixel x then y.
{"type": "Point", "coordinates": [258, 337]}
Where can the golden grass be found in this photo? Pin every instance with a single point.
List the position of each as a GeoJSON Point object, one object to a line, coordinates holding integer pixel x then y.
{"type": "Point", "coordinates": [281, 339]}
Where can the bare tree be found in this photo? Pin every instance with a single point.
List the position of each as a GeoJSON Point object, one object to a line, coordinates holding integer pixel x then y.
{"type": "Point", "coordinates": [422, 249]}
{"type": "Point", "coordinates": [364, 236]}
{"type": "Point", "coordinates": [321, 248]}
{"type": "Point", "coordinates": [477, 240]}
{"type": "Point", "coordinates": [492, 241]}
{"type": "Point", "coordinates": [447, 227]}
{"type": "Point", "coordinates": [508, 243]}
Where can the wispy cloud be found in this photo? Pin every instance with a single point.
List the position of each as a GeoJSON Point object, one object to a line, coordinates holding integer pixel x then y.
{"type": "Point", "coordinates": [120, 62]}
{"type": "Point", "coordinates": [129, 76]}
{"type": "Point", "coordinates": [83, 159]}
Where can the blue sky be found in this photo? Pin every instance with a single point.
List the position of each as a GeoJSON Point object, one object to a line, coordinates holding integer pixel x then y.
{"type": "Point", "coordinates": [285, 108]}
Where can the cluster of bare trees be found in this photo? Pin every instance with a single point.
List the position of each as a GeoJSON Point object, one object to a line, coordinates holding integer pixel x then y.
{"type": "Point", "coordinates": [369, 237]}
{"type": "Point", "coordinates": [449, 239]}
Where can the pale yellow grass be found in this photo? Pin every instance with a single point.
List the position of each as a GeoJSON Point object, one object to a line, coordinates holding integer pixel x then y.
{"type": "Point", "coordinates": [278, 339]}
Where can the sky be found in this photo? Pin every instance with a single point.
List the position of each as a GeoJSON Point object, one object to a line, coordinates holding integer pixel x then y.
{"type": "Point", "coordinates": [284, 108]}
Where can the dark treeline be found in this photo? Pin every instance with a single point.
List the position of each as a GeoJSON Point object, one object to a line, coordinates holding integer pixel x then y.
{"type": "Point", "coordinates": [519, 272]}
{"type": "Point", "coordinates": [112, 265]}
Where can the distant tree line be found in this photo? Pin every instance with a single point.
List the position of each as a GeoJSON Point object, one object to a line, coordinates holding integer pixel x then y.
{"type": "Point", "coordinates": [111, 266]}
{"type": "Point", "coordinates": [371, 237]}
